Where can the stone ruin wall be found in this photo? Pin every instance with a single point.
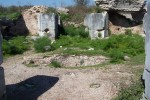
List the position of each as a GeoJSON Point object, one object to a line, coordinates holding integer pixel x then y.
{"type": "Point", "coordinates": [123, 5]}
{"type": "Point", "coordinates": [124, 14]}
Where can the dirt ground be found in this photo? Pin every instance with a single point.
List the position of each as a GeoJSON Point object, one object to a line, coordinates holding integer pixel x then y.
{"type": "Point", "coordinates": [45, 83]}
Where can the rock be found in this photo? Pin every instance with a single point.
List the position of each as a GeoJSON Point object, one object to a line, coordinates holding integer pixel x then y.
{"type": "Point", "coordinates": [30, 17]}
{"type": "Point", "coordinates": [121, 5]}
{"type": "Point", "coordinates": [91, 49]}
{"type": "Point", "coordinates": [97, 23]}
{"type": "Point", "coordinates": [47, 48]}
{"type": "Point", "coordinates": [61, 10]}
{"type": "Point", "coordinates": [126, 58]}
{"type": "Point", "coordinates": [95, 85]}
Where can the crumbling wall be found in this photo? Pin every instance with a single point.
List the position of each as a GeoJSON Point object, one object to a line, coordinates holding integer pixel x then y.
{"type": "Point", "coordinates": [48, 25]}
{"type": "Point", "coordinates": [97, 24]}
{"type": "Point", "coordinates": [122, 5]}
{"type": "Point", "coordinates": [30, 17]}
{"type": "Point", "coordinates": [146, 75]}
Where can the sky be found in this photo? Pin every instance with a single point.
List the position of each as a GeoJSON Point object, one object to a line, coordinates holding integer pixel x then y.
{"type": "Point", "coordinates": [52, 3]}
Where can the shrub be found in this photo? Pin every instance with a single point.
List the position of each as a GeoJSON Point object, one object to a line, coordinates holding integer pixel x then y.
{"type": "Point", "coordinates": [43, 44]}
{"type": "Point", "coordinates": [134, 92]}
{"type": "Point", "coordinates": [72, 31]}
{"type": "Point", "coordinates": [65, 17]}
{"type": "Point", "coordinates": [128, 32]}
{"type": "Point", "coordinates": [55, 64]}
{"type": "Point", "coordinates": [97, 10]}
{"type": "Point", "coordinates": [16, 45]}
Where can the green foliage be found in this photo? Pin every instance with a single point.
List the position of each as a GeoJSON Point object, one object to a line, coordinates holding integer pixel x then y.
{"type": "Point", "coordinates": [97, 10]}
{"type": "Point", "coordinates": [115, 47]}
{"type": "Point", "coordinates": [16, 45]}
{"type": "Point", "coordinates": [65, 17]}
{"type": "Point", "coordinates": [134, 92]}
{"type": "Point", "coordinates": [55, 64]}
{"type": "Point", "coordinates": [72, 31]}
{"type": "Point", "coordinates": [41, 43]}
{"type": "Point", "coordinates": [11, 16]}
{"type": "Point", "coordinates": [51, 10]}
{"type": "Point", "coordinates": [128, 32]}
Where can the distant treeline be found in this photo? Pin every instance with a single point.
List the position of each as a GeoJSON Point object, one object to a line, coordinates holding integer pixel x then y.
{"type": "Point", "coordinates": [12, 9]}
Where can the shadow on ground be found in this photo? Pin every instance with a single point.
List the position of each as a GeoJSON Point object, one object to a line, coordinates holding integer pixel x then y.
{"type": "Point", "coordinates": [31, 88]}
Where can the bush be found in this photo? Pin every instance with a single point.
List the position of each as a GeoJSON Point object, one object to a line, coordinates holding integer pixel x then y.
{"type": "Point", "coordinates": [65, 17]}
{"type": "Point", "coordinates": [55, 64]}
{"type": "Point", "coordinates": [16, 45]}
{"type": "Point", "coordinates": [72, 31]}
{"type": "Point", "coordinates": [134, 92]}
{"type": "Point", "coordinates": [43, 44]}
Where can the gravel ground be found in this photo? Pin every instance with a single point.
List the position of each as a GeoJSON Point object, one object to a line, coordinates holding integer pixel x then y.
{"type": "Point", "coordinates": [44, 83]}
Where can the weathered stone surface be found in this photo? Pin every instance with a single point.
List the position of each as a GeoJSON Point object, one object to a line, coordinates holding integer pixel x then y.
{"type": "Point", "coordinates": [146, 75]}
{"type": "Point", "coordinates": [62, 10]}
{"type": "Point", "coordinates": [97, 23]}
{"type": "Point", "coordinates": [2, 84]}
{"type": "Point", "coordinates": [123, 5]}
{"type": "Point", "coordinates": [30, 17]}
{"type": "Point", "coordinates": [48, 25]}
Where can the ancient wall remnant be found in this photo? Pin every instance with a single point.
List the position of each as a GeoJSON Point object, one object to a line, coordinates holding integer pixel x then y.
{"type": "Point", "coordinates": [124, 14]}
{"type": "Point", "coordinates": [48, 25]}
{"type": "Point", "coordinates": [122, 5]}
{"type": "Point", "coordinates": [30, 17]}
{"type": "Point", "coordinates": [97, 24]}
{"type": "Point", "coordinates": [146, 75]}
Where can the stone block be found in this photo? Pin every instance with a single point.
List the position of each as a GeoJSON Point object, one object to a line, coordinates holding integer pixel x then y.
{"type": "Point", "coordinates": [48, 25]}
{"type": "Point", "coordinates": [97, 23]}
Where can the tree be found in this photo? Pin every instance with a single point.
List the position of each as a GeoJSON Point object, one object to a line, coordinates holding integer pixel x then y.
{"type": "Point", "coordinates": [81, 2]}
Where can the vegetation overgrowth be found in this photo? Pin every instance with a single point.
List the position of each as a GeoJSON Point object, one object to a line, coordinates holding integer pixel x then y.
{"type": "Point", "coordinates": [16, 45]}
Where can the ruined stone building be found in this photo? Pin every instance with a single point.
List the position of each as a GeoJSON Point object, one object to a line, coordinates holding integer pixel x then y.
{"type": "Point", "coordinates": [124, 14]}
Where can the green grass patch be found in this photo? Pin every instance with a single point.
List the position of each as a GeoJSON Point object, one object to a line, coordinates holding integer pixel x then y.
{"type": "Point", "coordinates": [115, 47]}
{"type": "Point", "coordinates": [55, 64]}
{"type": "Point", "coordinates": [16, 45]}
{"type": "Point", "coordinates": [43, 44]}
{"type": "Point", "coordinates": [133, 92]}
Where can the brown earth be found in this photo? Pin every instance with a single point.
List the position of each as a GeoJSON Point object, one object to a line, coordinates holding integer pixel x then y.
{"type": "Point", "coordinates": [45, 83]}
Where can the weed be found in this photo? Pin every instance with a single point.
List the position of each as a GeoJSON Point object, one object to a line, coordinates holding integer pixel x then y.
{"type": "Point", "coordinates": [133, 92]}
{"type": "Point", "coordinates": [16, 45]}
{"type": "Point", "coordinates": [43, 44]}
{"type": "Point", "coordinates": [55, 64]}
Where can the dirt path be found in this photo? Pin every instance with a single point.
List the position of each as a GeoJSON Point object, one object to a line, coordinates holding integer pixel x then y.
{"type": "Point", "coordinates": [44, 83]}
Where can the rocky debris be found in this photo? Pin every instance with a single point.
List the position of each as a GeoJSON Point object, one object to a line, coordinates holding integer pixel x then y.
{"type": "Point", "coordinates": [61, 10]}
{"type": "Point", "coordinates": [66, 60]}
{"type": "Point", "coordinates": [30, 17]}
{"type": "Point", "coordinates": [121, 5]}
{"type": "Point", "coordinates": [97, 24]}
